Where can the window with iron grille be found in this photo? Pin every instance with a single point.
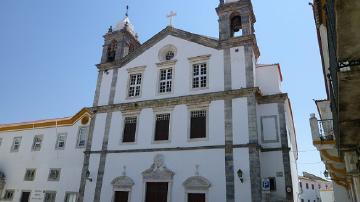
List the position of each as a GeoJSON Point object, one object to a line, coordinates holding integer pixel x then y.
{"type": "Point", "coordinates": [199, 79]}
{"type": "Point", "coordinates": [165, 85]}
{"type": "Point", "coordinates": [162, 127]}
{"type": "Point", "coordinates": [30, 174]}
{"type": "Point", "coordinates": [198, 124]}
{"type": "Point", "coordinates": [9, 195]}
{"type": "Point", "coordinates": [54, 174]}
{"type": "Point", "coordinates": [49, 196]}
{"type": "Point", "coordinates": [134, 85]}
{"type": "Point", "coordinates": [60, 141]}
{"type": "Point", "coordinates": [16, 144]}
{"type": "Point", "coordinates": [81, 139]}
{"type": "Point", "coordinates": [129, 129]}
{"type": "Point", "coordinates": [37, 143]}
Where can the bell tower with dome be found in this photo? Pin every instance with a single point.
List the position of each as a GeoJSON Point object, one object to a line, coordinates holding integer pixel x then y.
{"type": "Point", "coordinates": [119, 41]}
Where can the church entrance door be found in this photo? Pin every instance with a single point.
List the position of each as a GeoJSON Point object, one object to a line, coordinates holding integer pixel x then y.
{"type": "Point", "coordinates": [121, 196]}
{"type": "Point", "coordinates": [156, 191]}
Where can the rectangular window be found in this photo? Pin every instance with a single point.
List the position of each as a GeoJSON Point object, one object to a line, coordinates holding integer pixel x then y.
{"type": "Point", "coordinates": [9, 195]}
{"type": "Point", "coordinates": [81, 139]}
{"type": "Point", "coordinates": [196, 197]}
{"type": "Point", "coordinates": [1, 141]}
{"type": "Point", "coordinates": [16, 144]}
{"type": "Point", "coordinates": [199, 79]}
{"type": "Point", "coordinates": [312, 186]}
{"type": "Point", "coordinates": [30, 174]}
{"type": "Point", "coordinates": [37, 143]}
{"type": "Point", "coordinates": [300, 184]}
{"type": "Point", "coordinates": [70, 197]}
{"type": "Point", "coordinates": [272, 183]}
{"type": "Point", "coordinates": [165, 85]}
{"type": "Point", "coordinates": [307, 186]}
{"type": "Point", "coordinates": [302, 200]}
{"type": "Point", "coordinates": [134, 85]}
{"type": "Point", "coordinates": [121, 196]}
{"type": "Point", "coordinates": [60, 141]}
{"type": "Point", "coordinates": [54, 174]}
{"type": "Point", "coordinates": [129, 129]}
{"type": "Point", "coordinates": [49, 196]}
{"type": "Point", "coordinates": [198, 124]}
{"type": "Point", "coordinates": [162, 127]}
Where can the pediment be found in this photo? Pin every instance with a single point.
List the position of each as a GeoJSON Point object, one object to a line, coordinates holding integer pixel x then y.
{"type": "Point", "coordinates": [197, 183]}
{"type": "Point", "coordinates": [122, 182]}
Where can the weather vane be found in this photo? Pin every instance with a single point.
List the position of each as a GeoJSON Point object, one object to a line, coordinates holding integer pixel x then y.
{"type": "Point", "coordinates": [170, 16]}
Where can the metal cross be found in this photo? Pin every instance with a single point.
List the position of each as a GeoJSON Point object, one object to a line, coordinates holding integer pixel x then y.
{"type": "Point", "coordinates": [170, 16]}
{"type": "Point", "coordinates": [127, 11]}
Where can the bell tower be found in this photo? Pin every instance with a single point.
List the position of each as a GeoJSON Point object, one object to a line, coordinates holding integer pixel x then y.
{"type": "Point", "coordinates": [236, 18]}
{"type": "Point", "coordinates": [119, 41]}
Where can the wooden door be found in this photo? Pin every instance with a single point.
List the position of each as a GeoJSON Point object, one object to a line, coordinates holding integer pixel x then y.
{"type": "Point", "coordinates": [121, 196]}
{"type": "Point", "coordinates": [156, 192]}
{"type": "Point", "coordinates": [196, 197]}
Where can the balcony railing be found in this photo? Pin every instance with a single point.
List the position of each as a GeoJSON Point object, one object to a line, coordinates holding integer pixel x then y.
{"type": "Point", "coordinates": [326, 130]}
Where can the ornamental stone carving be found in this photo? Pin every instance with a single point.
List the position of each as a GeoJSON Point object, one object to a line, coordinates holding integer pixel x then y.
{"type": "Point", "coordinates": [158, 170]}
{"type": "Point", "coordinates": [122, 182]}
{"type": "Point", "coordinates": [197, 183]}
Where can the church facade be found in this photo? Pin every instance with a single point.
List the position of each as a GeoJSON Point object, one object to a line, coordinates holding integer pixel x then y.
{"type": "Point", "coordinates": [180, 117]}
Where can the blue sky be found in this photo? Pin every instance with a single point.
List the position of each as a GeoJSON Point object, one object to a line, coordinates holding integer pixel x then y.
{"type": "Point", "coordinates": [48, 52]}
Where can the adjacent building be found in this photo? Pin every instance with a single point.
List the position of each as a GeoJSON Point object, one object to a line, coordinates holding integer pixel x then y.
{"type": "Point", "coordinates": [315, 189]}
{"type": "Point", "coordinates": [180, 117]}
{"type": "Point", "coordinates": [335, 132]}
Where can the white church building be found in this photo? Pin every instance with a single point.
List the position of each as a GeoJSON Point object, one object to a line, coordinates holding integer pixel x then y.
{"type": "Point", "coordinates": [180, 117]}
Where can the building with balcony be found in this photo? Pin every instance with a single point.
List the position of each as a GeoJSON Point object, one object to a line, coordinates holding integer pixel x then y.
{"type": "Point", "coordinates": [338, 28]}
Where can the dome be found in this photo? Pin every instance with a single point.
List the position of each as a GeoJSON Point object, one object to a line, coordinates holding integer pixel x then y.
{"type": "Point", "coordinates": [125, 23]}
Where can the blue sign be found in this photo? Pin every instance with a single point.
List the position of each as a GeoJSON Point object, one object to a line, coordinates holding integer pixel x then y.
{"type": "Point", "coordinates": [266, 184]}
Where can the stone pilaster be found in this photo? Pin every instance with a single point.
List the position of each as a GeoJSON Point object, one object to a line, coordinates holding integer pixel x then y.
{"type": "Point", "coordinates": [86, 162]}
{"type": "Point", "coordinates": [254, 152]}
{"type": "Point", "coordinates": [285, 154]}
{"type": "Point", "coordinates": [101, 169]}
{"type": "Point", "coordinates": [249, 66]}
{"type": "Point", "coordinates": [229, 156]}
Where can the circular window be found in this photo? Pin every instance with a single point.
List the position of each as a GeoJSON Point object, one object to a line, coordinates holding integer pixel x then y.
{"type": "Point", "coordinates": [169, 55]}
{"type": "Point", "coordinates": [166, 53]}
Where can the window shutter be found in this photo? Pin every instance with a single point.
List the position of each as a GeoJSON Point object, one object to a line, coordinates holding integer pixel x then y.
{"type": "Point", "coordinates": [162, 127]}
{"type": "Point", "coordinates": [129, 129]}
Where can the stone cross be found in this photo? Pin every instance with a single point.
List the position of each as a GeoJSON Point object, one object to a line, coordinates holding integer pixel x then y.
{"type": "Point", "coordinates": [170, 16]}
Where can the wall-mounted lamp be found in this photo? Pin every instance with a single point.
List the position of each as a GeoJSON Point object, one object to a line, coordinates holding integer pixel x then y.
{"type": "Point", "coordinates": [240, 175]}
{"type": "Point", "coordinates": [88, 176]}
{"type": "Point", "coordinates": [326, 174]}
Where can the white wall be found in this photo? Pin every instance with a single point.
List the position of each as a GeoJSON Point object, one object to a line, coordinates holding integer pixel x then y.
{"type": "Point", "coordinates": [271, 163]}
{"type": "Point", "coordinates": [182, 76]}
{"type": "Point", "coordinates": [14, 164]}
{"type": "Point", "coordinates": [268, 79]}
{"type": "Point", "coordinates": [268, 110]}
{"type": "Point", "coordinates": [136, 163]}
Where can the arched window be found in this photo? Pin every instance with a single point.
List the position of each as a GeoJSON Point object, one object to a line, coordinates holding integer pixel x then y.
{"type": "Point", "coordinates": [111, 51]}
{"type": "Point", "coordinates": [235, 26]}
